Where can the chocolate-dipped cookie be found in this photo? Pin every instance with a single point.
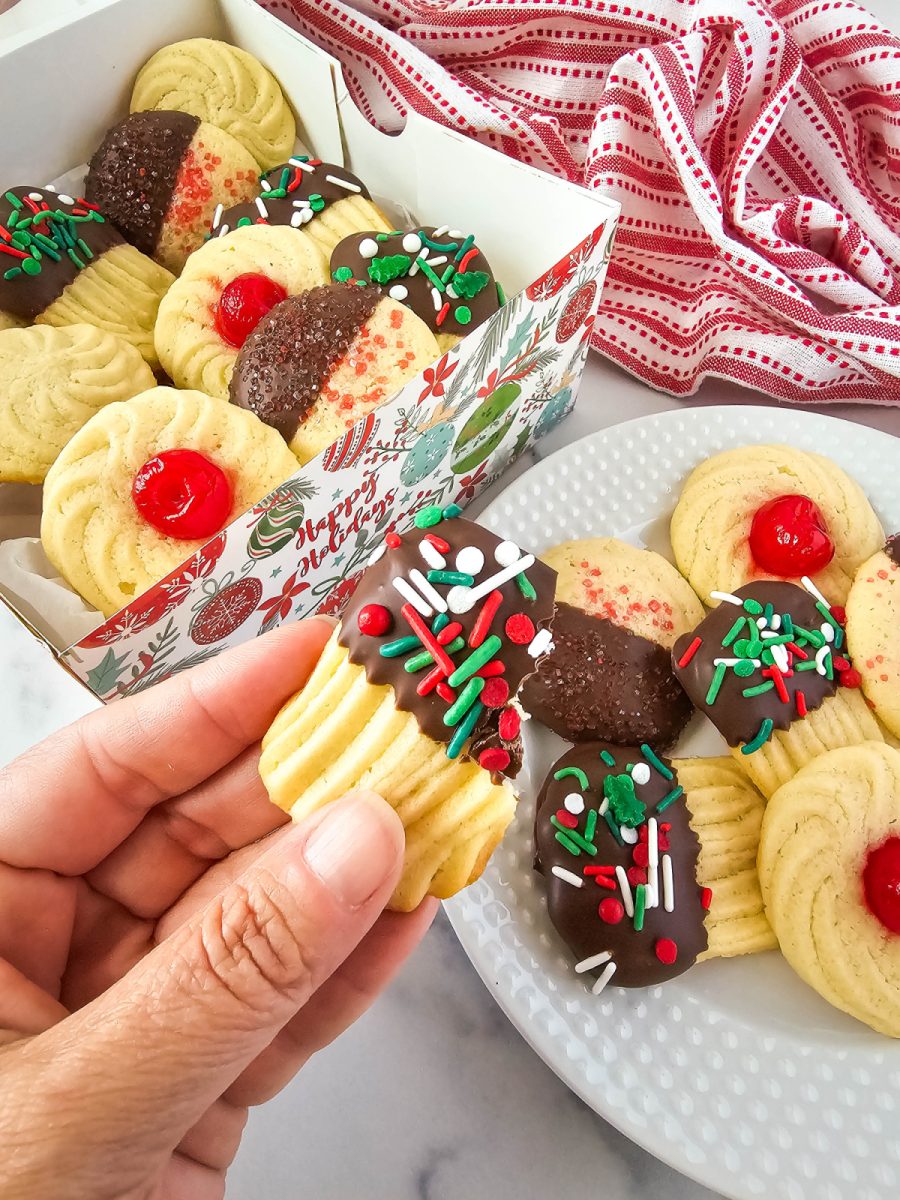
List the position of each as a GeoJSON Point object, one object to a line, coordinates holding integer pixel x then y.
{"type": "Point", "coordinates": [631, 887]}
{"type": "Point", "coordinates": [438, 272]}
{"type": "Point", "coordinates": [159, 177]}
{"type": "Point", "coordinates": [609, 676]}
{"type": "Point", "coordinates": [318, 362]}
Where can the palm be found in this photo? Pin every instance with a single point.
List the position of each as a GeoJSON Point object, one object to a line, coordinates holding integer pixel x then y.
{"type": "Point", "coordinates": [116, 831]}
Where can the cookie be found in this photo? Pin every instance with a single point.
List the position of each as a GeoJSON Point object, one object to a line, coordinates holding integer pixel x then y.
{"type": "Point", "coordinates": [65, 264]}
{"type": "Point", "coordinates": [768, 666]}
{"type": "Point", "coordinates": [225, 288]}
{"type": "Point", "coordinates": [320, 361]}
{"type": "Point", "coordinates": [323, 199]}
{"type": "Point", "coordinates": [829, 864]}
{"type": "Point", "coordinates": [51, 382]}
{"type": "Point", "coordinates": [873, 632]}
{"type": "Point", "coordinates": [8, 322]}
{"type": "Point", "coordinates": [772, 512]}
{"type": "Point", "coordinates": [609, 677]}
{"type": "Point", "coordinates": [649, 865]}
{"type": "Point", "coordinates": [413, 697]}
{"type": "Point", "coordinates": [148, 481]}
{"type": "Point", "coordinates": [439, 273]}
{"type": "Point", "coordinates": [159, 176]}
{"type": "Point", "coordinates": [225, 86]}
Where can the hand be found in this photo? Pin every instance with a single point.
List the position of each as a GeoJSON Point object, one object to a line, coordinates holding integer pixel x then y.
{"type": "Point", "coordinates": [171, 950]}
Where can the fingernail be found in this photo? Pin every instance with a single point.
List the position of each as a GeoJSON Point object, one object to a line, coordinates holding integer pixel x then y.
{"type": "Point", "coordinates": [326, 619]}
{"type": "Point", "coordinates": [355, 847]}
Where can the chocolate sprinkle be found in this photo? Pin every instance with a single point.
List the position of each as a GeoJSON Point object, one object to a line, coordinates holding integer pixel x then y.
{"type": "Point", "coordinates": [892, 548]}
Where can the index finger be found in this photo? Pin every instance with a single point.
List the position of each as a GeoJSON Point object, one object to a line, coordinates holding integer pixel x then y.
{"type": "Point", "coordinates": [70, 800]}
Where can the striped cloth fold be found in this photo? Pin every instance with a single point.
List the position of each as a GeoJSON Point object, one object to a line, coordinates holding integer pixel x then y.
{"type": "Point", "coordinates": [754, 148]}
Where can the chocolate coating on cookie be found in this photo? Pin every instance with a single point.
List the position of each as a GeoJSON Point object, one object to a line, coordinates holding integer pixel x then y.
{"type": "Point", "coordinates": [288, 357]}
{"type": "Point", "coordinates": [604, 682]}
{"type": "Point", "coordinates": [52, 238]}
{"type": "Point", "coordinates": [292, 194]}
{"type": "Point", "coordinates": [133, 172]}
{"type": "Point", "coordinates": [751, 679]}
{"type": "Point", "coordinates": [498, 626]}
{"type": "Point", "coordinates": [442, 276]}
{"type": "Point", "coordinates": [577, 851]}
{"type": "Point", "coordinates": [892, 548]}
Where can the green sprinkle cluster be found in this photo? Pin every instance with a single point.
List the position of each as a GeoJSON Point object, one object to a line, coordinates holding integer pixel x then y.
{"type": "Point", "coordinates": [49, 235]}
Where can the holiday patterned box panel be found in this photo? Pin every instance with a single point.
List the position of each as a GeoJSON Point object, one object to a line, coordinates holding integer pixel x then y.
{"type": "Point", "coordinates": [448, 434]}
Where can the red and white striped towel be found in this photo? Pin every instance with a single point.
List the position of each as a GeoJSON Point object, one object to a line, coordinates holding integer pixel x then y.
{"type": "Point", "coordinates": [754, 148]}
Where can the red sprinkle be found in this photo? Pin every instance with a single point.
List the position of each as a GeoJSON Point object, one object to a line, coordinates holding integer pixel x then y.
{"type": "Point", "coordinates": [690, 652]}
{"type": "Point", "coordinates": [840, 664]}
{"type": "Point", "coordinates": [563, 816]}
{"type": "Point", "coordinates": [495, 693]}
{"type": "Point", "coordinates": [467, 258]}
{"type": "Point", "coordinates": [611, 910]}
{"type": "Point", "coordinates": [495, 758]}
{"type": "Point", "coordinates": [482, 625]}
{"type": "Point", "coordinates": [427, 638]}
{"type": "Point", "coordinates": [446, 693]}
{"type": "Point", "coordinates": [510, 724]}
{"type": "Point", "coordinates": [374, 620]}
{"type": "Point", "coordinates": [706, 897]}
{"type": "Point", "coordinates": [392, 541]}
{"type": "Point", "coordinates": [795, 650]}
{"type": "Point", "coordinates": [494, 667]}
{"type": "Point", "coordinates": [801, 704]}
{"type": "Point", "coordinates": [839, 614]}
{"type": "Point", "coordinates": [776, 676]}
{"type": "Point", "coordinates": [439, 544]}
{"type": "Point", "coordinates": [666, 950]}
{"type": "Point", "coordinates": [520, 629]}
{"type": "Point", "coordinates": [641, 855]}
{"type": "Point", "coordinates": [439, 319]}
{"type": "Point", "coordinates": [427, 685]}
{"type": "Point", "coordinates": [449, 632]}
{"type": "Point", "coordinates": [636, 875]}
{"type": "Point", "coordinates": [850, 678]}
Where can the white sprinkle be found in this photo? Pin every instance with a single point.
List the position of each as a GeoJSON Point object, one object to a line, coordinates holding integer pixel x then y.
{"type": "Point", "coordinates": [506, 553]}
{"type": "Point", "coordinates": [640, 773]}
{"type": "Point", "coordinates": [604, 807]}
{"type": "Point", "coordinates": [459, 599]}
{"type": "Point", "coordinates": [412, 243]}
{"type": "Point", "coordinates": [217, 216]}
{"type": "Point", "coordinates": [344, 183]}
{"type": "Point", "coordinates": [296, 219]}
{"type": "Point", "coordinates": [814, 591]}
{"type": "Point", "coordinates": [440, 232]}
{"type": "Point", "coordinates": [307, 215]}
{"type": "Point", "coordinates": [432, 596]}
{"type": "Point", "coordinates": [653, 888]}
{"type": "Point", "coordinates": [408, 593]}
{"type": "Point", "coordinates": [376, 554]}
{"type": "Point", "coordinates": [668, 884]}
{"type": "Point", "coordinates": [768, 633]}
{"type": "Point", "coordinates": [50, 187]}
{"type": "Point", "coordinates": [432, 555]}
{"type": "Point", "coordinates": [567, 876]}
{"type": "Point", "coordinates": [436, 262]}
{"type": "Point", "coordinates": [821, 654]}
{"type": "Point", "coordinates": [296, 162]}
{"type": "Point", "coordinates": [627, 898]}
{"type": "Point", "coordinates": [462, 599]}
{"type": "Point", "coordinates": [368, 247]}
{"type": "Point", "coordinates": [541, 641]}
{"type": "Point", "coordinates": [726, 598]}
{"type": "Point", "coordinates": [398, 292]}
{"type": "Point", "coordinates": [780, 658]}
{"type": "Point", "coordinates": [265, 185]}
{"type": "Point", "coordinates": [827, 631]}
{"type": "Point", "coordinates": [451, 292]}
{"type": "Point", "coordinates": [35, 196]}
{"type": "Point", "coordinates": [437, 299]}
{"type": "Point", "coordinates": [64, 199]}
{"type": "Point", "coordinates": [629, 835]}
{"type": "Point", "coordinates": [604, 979]}
{"type": "Point", "coordinates": [470, 560]}
{"type": "Point", "coordinates": [574, 803]}
{"type": "Point", "coordinates": [263, 211]}
{"type": "Point", "coordinates": [301, 204]}
{"type": "Point", "coordinates": [761, 622]}
{"type": "Point", "coordinates": [414, 269]}
{"type": "Point", "coordinates": [730, 662]}
{"type": "Point", "coordinates": [595, 960]}
{"type": "Point", "coordinates": [455, 233]}
{"type": "Point", "coordinates": [775, 623]}
{"type": "Point", "coordinates": [652, 842]}
{"type": "Point", "coordinates": [223, 229]}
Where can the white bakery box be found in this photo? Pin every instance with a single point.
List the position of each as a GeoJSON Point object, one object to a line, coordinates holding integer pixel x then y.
{"type": "Point", "coordinates": [450, 432]}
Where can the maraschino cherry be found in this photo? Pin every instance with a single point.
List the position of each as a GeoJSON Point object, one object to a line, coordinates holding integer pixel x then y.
{"type": "Point", "coordinates": [881, 883]}
{"type": "Point", "coordinates": [243, 304]}
{"type": "Point", "coordinates": [182, 494]}
{"type": "Point", "coordinates": [789, 538]}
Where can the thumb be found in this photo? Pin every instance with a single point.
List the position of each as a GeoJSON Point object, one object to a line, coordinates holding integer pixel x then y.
{"type": "Point", "coordinates": [157, 1049]}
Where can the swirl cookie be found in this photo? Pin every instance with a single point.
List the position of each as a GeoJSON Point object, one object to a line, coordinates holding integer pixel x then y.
{"type": "Point", "coordinates": [320, 361]}
{"type": "Point", "coordinates": [324, 200]}
{"type": "Point", "coordinates": [8, 322]}
{"type": "Point", "coordinates": [873, 632]}
{"type": "Point", "coordinates": [146, 482]}
{"type": "Point", "coordinates": [609, 677]}
{"type": "Point", "coordinates": [772, 512]}
{"type": "Point", "coordinates": [829, 868]}
{"type": "Point", "coordinates": [414, 697]}
{"type": "Point", "coordinates": [225, 86]}
{"type": "Point", "coordinates": [649, 865]}
{"type": "Point", "coordinates": [439, 273]}
{"type": "Point", "coordinates": [63, 263]}
{"type": "Point", "coordinates": [226, 287]}
{"type": "Point", "coordinates": [158, 176]}
{"type": "Point", "coordinates": [768, 667]}
{"type": "Point", "coordinates": [51, 382]}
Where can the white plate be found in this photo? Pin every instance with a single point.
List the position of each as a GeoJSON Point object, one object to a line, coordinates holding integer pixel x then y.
{"type": "Point", "coordinates": [735, 1073]}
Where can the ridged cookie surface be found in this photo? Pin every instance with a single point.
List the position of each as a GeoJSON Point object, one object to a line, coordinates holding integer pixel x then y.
{"type": "Point", "coordinates": [90, 528]}
{"type": "Point", "coordinates": [711, 524]}
{"type": "Point", "coordinates": [51, 382]}
{"type": "Point", "coordinates": [873, 632]}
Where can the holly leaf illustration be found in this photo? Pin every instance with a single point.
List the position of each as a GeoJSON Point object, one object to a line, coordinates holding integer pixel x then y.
{"type": "Point", "coordinates": [519, 340]}
{"type": "Point", "coordinates": [104, 677]}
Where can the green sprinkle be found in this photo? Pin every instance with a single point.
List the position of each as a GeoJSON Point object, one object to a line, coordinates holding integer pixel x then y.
{"type": "Point", "coordinates": [769, 613]}
{"type": "Point", "coordinates": [762, 736]}
{"type": "Point", "coordinates": [401, 646]}
{"type": "Point", "coordinates": [787, 625]}
{"type": "Point", "coordinates": [12, 273]}
{"type": "Point", "coordinates": [716, 684]}
{"type": "Point", "coordinates": [759, 689]}
{"type": "Point", "coordinates": [12, 220]}
{"type": "Point", "coordinates": [13, 200]}
{"type": "Point", "coordinates": [565, 840]}
{"type": "Point", "coordinates": [464, 248]}
{"type": "Point", "coordinates": [316, 202]}
{"type": "Point", "coordinates": [838, 630]}
{"type": "Point", "coordinates": [383, 237]}
{"type": "Point", "coordinates": [451, 511]}
{"type": "Point", "coordinates": [84, 248]}
{"type": "Point", "coordinates": [829, 667]}
{"type": "Point", "coordinates": [607, 758]}
{"type": "Point", "coordinates": [809, 665]}
{"type": "Point", "coordinates": [470, 283]}
{"type": "Point", "coordinates": [476, 660]}
{"type": "Point", "coordinates": [74, 257]}
{"type": "Point", "coordinates": [426, 517]}
{"type": "Point", "coordinates": [392, 266]}
{"type": "Point", "coordinates": [669, 799]}
{"type": "Point", "coordinates": [463, 729]}
{"type": "Point", "coordinates": [613, 827]}
{"type": "Point", "coordinates": [743, 669]}
{"type": "Point", "coordinates": [418, 661]}
{"type": "Point", "coordinates": [655, 761]}
{"type": "Point", "coordinates": [451, 577]}
{"type": "Point", "coordinates": [525, 586]}
{"type": "Point", "coordinates": [753, 607]}
{"type": "Point", "coordinates": [243, 222]}
{"type": "Point", "coordinates": [640, 904]}
{"type": "Point", "coordinates": [815, 638]}
{"type": "Point", "coordinates": [501, 295]}
{"type": "Point", "coordinates": [734, 631]}
{"type": "Point", "coordinates": [623, 801]}
{"type": "Point", "coordinates": [441, 621]}
{"type": "Point", "coordinates": [463, 314]}
{"type": "Point", "coordinates": [574, 835]}
{"type": "Point", "coordinates": [590, 825]}
{"type": "Point", "coordinates": [52, 252]}
{"type": "Point", "coordinates": [448, 274]}
{"type": "Point", "coordinates": [426, 270]}
{"type": "Point", "coordinates": [32, 267]}
{"type": "Point", "coordinates": [446, 246]}
{"type": "Point", "coordinates": [342, 274]}
{"type": "Point", "coordinates": [575, 773]}
{"type": "Point", "coordinates": [464, 701]}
